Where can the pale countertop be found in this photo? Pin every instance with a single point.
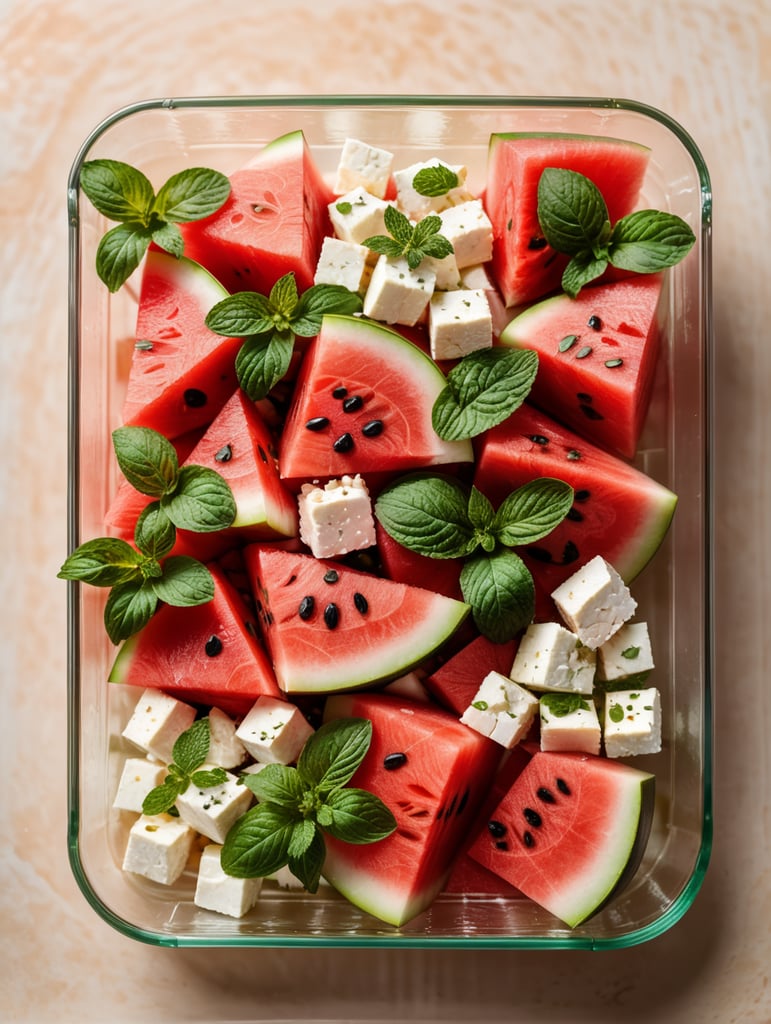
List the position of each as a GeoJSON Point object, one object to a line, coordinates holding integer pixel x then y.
{"type": "Point", "coordinates": [64, 67]}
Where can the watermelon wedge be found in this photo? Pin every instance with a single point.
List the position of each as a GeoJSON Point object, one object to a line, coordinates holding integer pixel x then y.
{"type": "Point", "coordinates": [455, 683]}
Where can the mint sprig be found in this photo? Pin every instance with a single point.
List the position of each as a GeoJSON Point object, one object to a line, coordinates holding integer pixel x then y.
{"type": "Point", "coordinates": [412, 241]}
{"type": "Point", "coordinates": [190, 750]}
{"type": "Point", "coordinates": [124, 194]}
{"type": "Point", "coordinates": [434, 181]}
{"type": "Point", "coordinates": [270, 323]}
{"type": "Point", "coordinates": [438, 517]}
{"type": "Point", "coordinates": [297, 805]}
{"type": "Point", "coordinates": [574, 220]}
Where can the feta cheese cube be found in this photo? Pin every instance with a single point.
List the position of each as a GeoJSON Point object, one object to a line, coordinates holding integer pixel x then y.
{"type": "Point", "coordinates": [138, 777]}
{"type": "Point", "coordinates": [627, 655]}
{"type": "Point", "coordinates": [501, 710]}
{"type": "Point", "coordinates": [225, 748]}
{"type": "Point", "coordinates": [445, 270]}
{"type": "Point", "coordinates": [396, 294]}
{"type": "Point", "coordinates": [158, 847]}
{"type": "Point", "coordinates": [358, 215]}
{"type": "Point", "coordinates": [274, 731]}
{"type": "Point", "coordinates": [477, 276]}
{"type": "Point", "coordinates": [470, 232]}
{"type": "Point", "coordinates": [594, 602]}
{"type": "Point", "coordinates": [550, 657]}
{"type": "Point", "coordinates": [214, 810]}
{"type": "Point", "coordinates": [156, 723]}
{"type": "Point", "coordinates": [363, 165]}
{"type": "Point", "coordinates": [336, 518]}
{"type": "Point", "coordinates": [632, 722]}
{"type": "Point", "coordinates": [215, 890]}
{"type": "Point", "coordinates": [415, 205]}
{"type": "Point", "coordinates": [569, 722]}
{"type": "Point", "coordinates": [344, 263]}
{"type": "Point", "coordinates": [459, 322]}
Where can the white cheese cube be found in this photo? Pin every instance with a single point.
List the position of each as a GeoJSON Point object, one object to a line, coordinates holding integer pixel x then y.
{"type": "Point", "coordinates": [446, 274]}
{"type": "Point", "coordinates": [627, 655]}
{"type": "Point", "coordinates": [550, 657]}
{"type": "Point", "coordinates": [212, 811]}
{"type": "Point", "coordinates": [459, 322]}
{"type": "Point", "coordinates": [158, 847]}
{"type": "Point", "coordinates": [138, 777]}
{"type": "Point", "coordinates": [594, 602]}
{"type": "Point", "coordinates": [409, 685]}
{"type": "Point", "coordinates": [156, 723]}
{"type": "Point", "coordinates": [415, 205]}
{"type": "Point", "coordinates": [396, 294]}
{"type": "Point", "coordinates": [274, 731]}
{"type": "Point", "coordinates": [632, 722]}
{"type": "Point", "coordinates": [365, 166]}
{"type": "Point", "coordinates": [215, 890]}
{"type": "Point", "coordinates": [501, 710]}
{"type": "Point", "coordinates": [225, 748]}
{"type": "Point", "coordinates": [477, 276]}
{"type": "Point", "coordinates": [565, 728]}
{"type": "Point", "coordinates": [344, 263]}
{"type": "Point", "coordinates": [468, 229]}
{"type": "Point", "coordinates": [336, 518]}
{"type": "Point", "coordinates": [358, 215]}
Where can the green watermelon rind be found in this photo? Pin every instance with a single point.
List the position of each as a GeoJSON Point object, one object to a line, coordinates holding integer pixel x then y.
{"type": "Point", "coordinates": [497, 137]}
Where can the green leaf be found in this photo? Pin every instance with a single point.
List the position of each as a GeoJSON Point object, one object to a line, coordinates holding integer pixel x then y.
{"type": "Point", "coordinates": [648, 241]}
{"type": "Point", "coordinates": [102, 562]}
{"type": "Point", "coordinates": [185, 582]}
{"type": "Point", "coordinates": [192, 194]}
{"type": "Point", "coordinates": [482, 390]}
{"type": "Point", "coordinates": [302, 837]}
{"type": "Point", "coordinates": [436, 246]}
{"type": "Point", "coordinates": [384, 246]}
{"type": "Point", "coordinates": [307, 867]}
{"type": "Point", "coordinates": [480, 511]}
{"type": "Point", "coordinates": [398, 226]}
{"type": "Point", "coordinates": [318, 300]}
{"type": "Point", "coordinates": [209, 777]}
{"type": "Point", "coordinates": [571, 210]}
{"type": "Point", "coordinates": [162, 798]}
{"type": "Point", "coordinates": [427, 514]}
{"type": "Point", "coordinates": [129, 608]}
{"type": "Point", "coordinates": [358, 816]}
{"type": "Point", "coordinates": [241, 316]}
{"type": "Point", "coordinates": [258, 843]}
{"type": "Point", "coordinates": [191, 747]}
{"type": "Point", "coordinates": [201, 501]}
{"type": "Point", "coordinates": [434, 181]}
{"type": "Point", "coordinates": [117, 190]}
{"type": "Point", "coordinates": [120, 252]}
{"type": "Point", "coordinates": [532, 511]}
{"type": "Point", "coordinates": [500, 590]}
{"type": "Point", "coordinates": [283, 300]}
{"type": "Point", "coordinates": [561, 704]}
{"type": "Point", "coordinates": [581, 269]}
{"type": "Point", "coordinates": [332, 754]}
{"type": "Point", "coordinates": [278, 784]}
{"type": "Point", "coordinates": [262, 362]}
{"type": "Point", "coordinates": [147, 460]}
{"type": "Point", "coordinates": [169, 238]}
{"type": "Point", "coordinates": [154, 532]}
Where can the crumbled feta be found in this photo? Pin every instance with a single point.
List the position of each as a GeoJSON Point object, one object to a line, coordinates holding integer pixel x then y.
{"type": "Point", "coordinates": [336, 518]}
{"type": "Point", "coordinates": [550, 657]}
{"type": "Point", "coordinates": [358, 215]}
{"type": "Point", "coordinates": [221, 892]}
{"type": "Point", "coordinates": [632, 722]}
{"type": "Point", "coordinates": [214, 810]}
{"type": "Point", "coordinates": [138, 777]}
{"type": "Point", "coordinates": [594, 602]}
{"type": "Point", "coordinates": [467, 227]}
{"type": "Point", "coordinates": [274, 731]}
{"type": "Point", "coordinates": [577, 729]}
{"type": "Point", "coordinates": [156, 723]}
{"type": "Point", "coordinates": [396, 294]}
{"type": "Point", "coordinates": [363, 165]}
{"type": "Point", "coordinates": [158, 847]}
{"type": "Point", "coordinates": [459, 322]}
{"type": "Point", "coordinates": [347, 264]}
{"type": "Point", "coordinates": [415, 205]}
{"type": "Point", "coordinates": [626, 655]}
{"type": "Point", "coordinates": [501, 710]}
{"type": "Point", "coordinates": [225, 748]}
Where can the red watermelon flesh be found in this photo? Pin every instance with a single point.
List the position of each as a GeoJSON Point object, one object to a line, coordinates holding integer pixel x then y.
{"type": "Point", "coordinates": [455, 683]}
{"type": "Point", "coordinates": [597, 358]}
{"type": "Point", "coordinates": [207, 654]}
{"type": "Point", "coordinates": [570, 832]}
{"type": "Point", "coordinates": [618, 511]}
{"type": "Point", "coordinates": [524, 266]}
{"type": "Point", "coordinates": [434, 795]}
{"type": "Point", "coordinates": [181, 372]}
{"type": "Point", "coordinates": [399, 563]}
{"type": "Point", "coordinates": [272, 223]}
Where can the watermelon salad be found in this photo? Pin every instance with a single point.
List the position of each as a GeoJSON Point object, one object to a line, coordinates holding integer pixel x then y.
{"type": "Point", "coordinates": [378, 466]}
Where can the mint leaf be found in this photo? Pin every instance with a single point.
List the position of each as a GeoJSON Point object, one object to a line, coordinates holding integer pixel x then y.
{"type": "Point", "coordinates": [278, 784]}
{"type": "Point", "coordinates": [434, 181]}
{"type": "Point", "coordinates": [501, 593]}
{"type": "Point", "coordinates": [192, 194]}
{"type": "Point", "coordinates": [414, 243]}
{"type": "Point", "coordinates": [120, 252]}
{"type": "Point", "coordinates": [283, 300]}
{"type": "Point", "coordinates": [318, 300]}
{"type": "Point", "coordinates": [209, 777]}
{"type": "Point", "coordinates": [384, 246]}
{"type": "Point", "coordinates": [185, 582]}
{"type": "Point", "coordinates": [482, 516]}
{"type": "Point", "coordinates": [241, 315]}
{"type": "Point", "coordinates": [169, 238]}
{"type": "Point", "coordinates": [103, 562]}
{"type": "Point", "coordinates": [532, 511]}
{"type": "Point", "coordinates": [161, 798]}
{"type": "Point", "coordinates": [358, 816]}
{"type": "Point", "coordinates": [307, 866]}
{"type": "Point", "coordinates": [201, 501]}
{"type": "Point", "coordinates": [571, 211]}
{"type": "Point", "coordinates": [262, 361]}
{"type": "Point", "coordinates": [332, 754]}
{"type": "Point", "coordinates": [147, 459]}
{"type": "Point", "coordinates": [154, 532]}
{"type": "Point", "coordinates": [191, 747]}
{"type": "Point", "coordinates": [427, 514]}
{"type": "Point", "coordinates": [482, 390]}
{"type": "Point", "coordinates": [581, 270]}
{"type": "Point", "coordinates": [398, 225]}
{"type": "Point", "coordinates": [117, 190]}
{"type": "Point", "coordinates": [129, 608]}
{"type": "Point", "coordinates": [648, 241]}
{"type": "Point", "coordinates": [258, 843]}
{"type": "Point", "coordinates": [561, 704]}
{"type": "Point", "coordinates": [303, 834]}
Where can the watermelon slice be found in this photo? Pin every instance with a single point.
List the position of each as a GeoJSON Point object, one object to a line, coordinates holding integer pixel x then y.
{"type": "Point", "coordinates": [208, 654]}
{"type": "Point", "coordinates": [363, 405]}
{"type": "Point", "coordinates": [455, 683]}
{"type": "Point", "coordinates": [570, 832]}
{"type": "Point", "coordinates": [597, 357]}
{"type": "Point", "coordinates": [329, 627]}
{"type": "Point", "coordinates": [618, 511]}
{"type": "Point", "coordinates": [525, 267]}
{"type": "Point", "coordinates": [272, 223]}
{"type": "Point", "coordinates": [434, 791]}
{"type": "Point", "coordinates": [181, 372]}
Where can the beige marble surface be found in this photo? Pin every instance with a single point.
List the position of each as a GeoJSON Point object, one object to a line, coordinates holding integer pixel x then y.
{"type": "Point", "coordinates": [63, 67]}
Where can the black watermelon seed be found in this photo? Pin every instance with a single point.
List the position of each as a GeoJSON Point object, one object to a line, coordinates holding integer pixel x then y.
{"type": "Point", "coordinates": [353, 404]}
{"type": "Point", "coordinates": [340, 392]}
{"type": "Point", "coordinates": [528, 839]}
{"type": "Point", "coordinates": [496, 828]}
{"type": "Point", "coordinates": [584, 396]}
{"type": "Point", "coordinates": [463, 801]}
{"type": "Point", "coordinates": [501, 845]}
{"type": "Point", "coordinates": [225, 454]}
{"type": "Point", "coordinates": [373, 428]}
{"type": "Point", "coordinates": [361, 603]}
{"type": "Point", "coordinates": [582, 495]}
{"type": "Point", "coordinates": [394, 761]}
{"type": "Point", "coordinates": [574, 515]}
{"type": "Point", "coordinates": [195, 398]}
{"type": "Point", "coordinates": [263, 454]}
{"type": "Point", "coordinates": [538, 439]}
{"type": "Point", "coordinates": [331, 615]}
{"type": "Point", "coordinates": [532, 817]}
{"type": "Point", "coordinates": [331, 576]}
{"type": "Point", "coordinates": [213, 646]}
{"type": "Point", "coordinates": [570, 553]}
{"type": "Point", "coordinates": [545, 794]}
{"type": "Point", "coordinates": [594, 322]}
{"type": "Point", "coordinates": [540, 554]}
{"type": "Point", "coordinates": [317, 423]}
{"type": "Point", "coordinates": [344, 443]}
{"type": "Point", "coordinates": [590, 412]}
{"type": "Point", "coordinates": [563, 787]}
{"type": "Point", "coordinates": [537, 243]}
{"type": "Point", "coordinates": [306, 607]}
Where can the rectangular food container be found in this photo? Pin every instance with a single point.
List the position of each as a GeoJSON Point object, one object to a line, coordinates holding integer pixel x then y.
{"type": "Point", "coordinates": [674, 592]}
